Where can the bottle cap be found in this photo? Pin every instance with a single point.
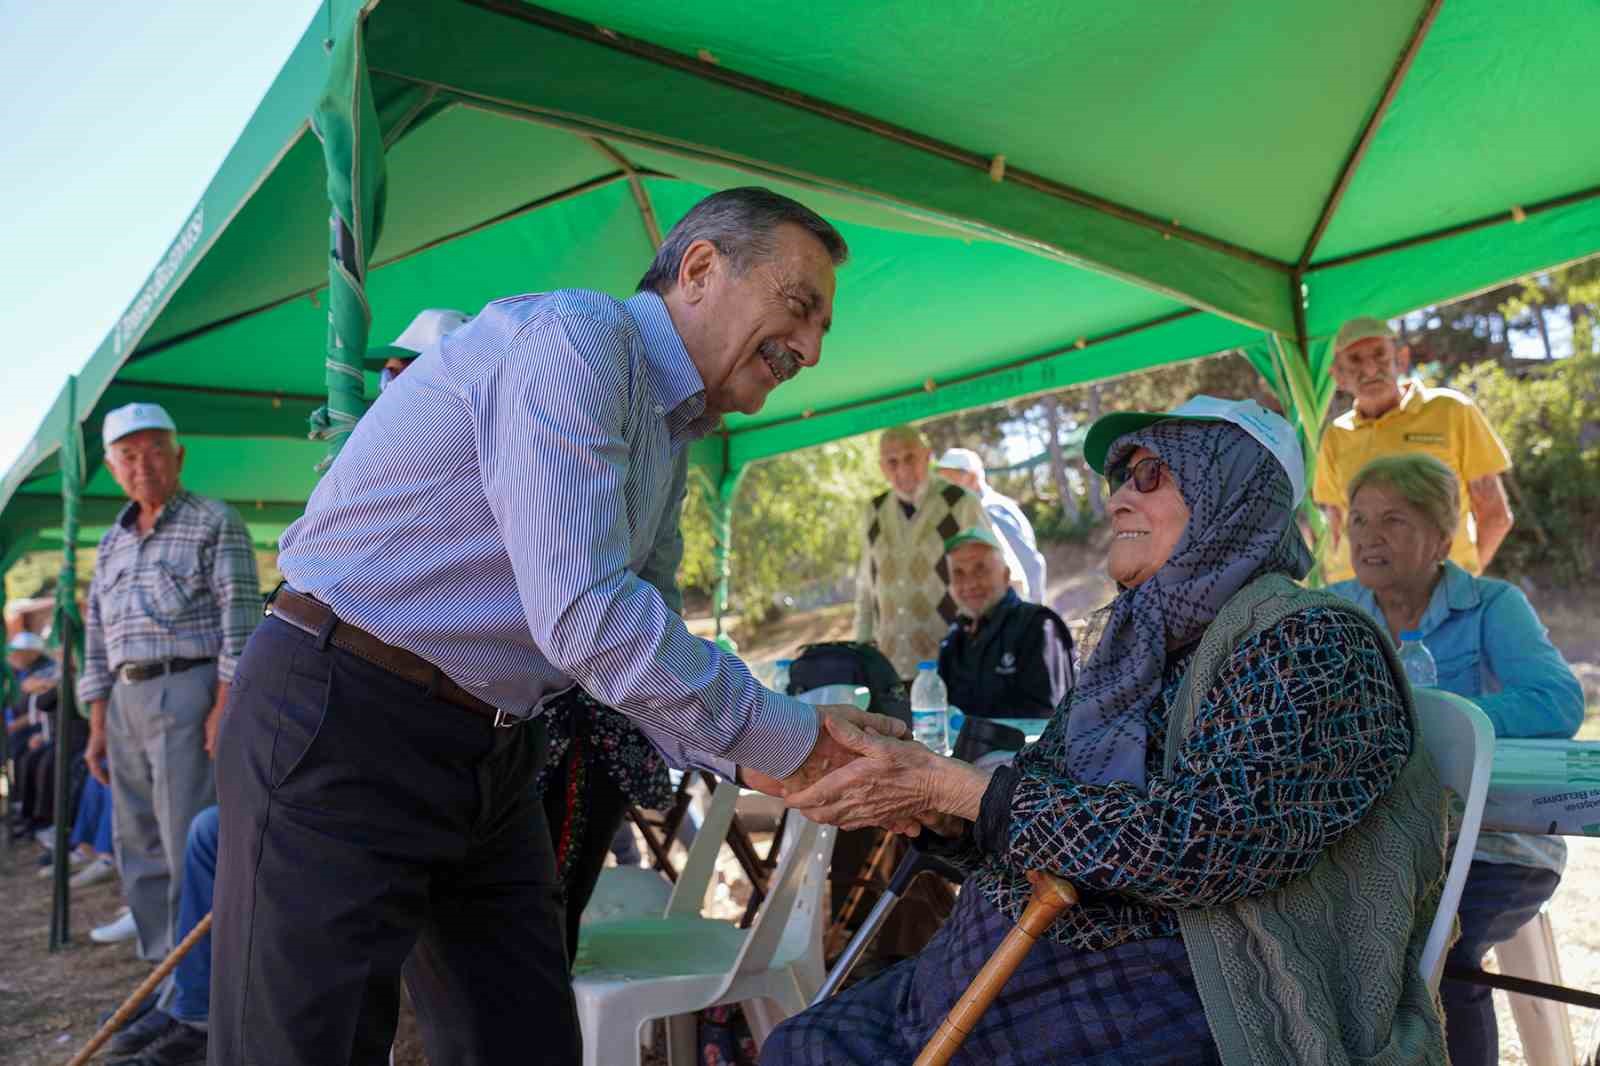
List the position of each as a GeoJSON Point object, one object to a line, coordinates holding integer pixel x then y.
{"type": "Point", "coordinates": [927, 664]}
{"type": "Point", "coordinates": [1411, 634]}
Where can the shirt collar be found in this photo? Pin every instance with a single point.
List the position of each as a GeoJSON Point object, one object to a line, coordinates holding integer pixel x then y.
{"type": "Point", "coordinates": [674, 381]}
{"type": "Point", "coordinates": [1456, 590]}
{"type": "Point", "coordinates": [130, 510]}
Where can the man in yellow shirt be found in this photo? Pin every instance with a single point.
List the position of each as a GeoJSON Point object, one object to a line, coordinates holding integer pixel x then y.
{"type": "Point", "coordinates": [1389, 416]}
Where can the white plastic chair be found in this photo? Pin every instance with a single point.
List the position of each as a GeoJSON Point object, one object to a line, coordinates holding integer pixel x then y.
{"type": "Point", "coordinates": [629, 972]}
{"type": "Point", "coordinates": [1543, 1024]}
{"type": "Point", "coordinates": [1460, 738]}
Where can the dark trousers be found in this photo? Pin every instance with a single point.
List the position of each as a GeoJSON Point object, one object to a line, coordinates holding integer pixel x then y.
{"type": "Point", "coordinates": [363, 821]}
{"type": "Point", "coordinates": [584, 808]}
{"type": "Point", "coordinates": [1499, 898]}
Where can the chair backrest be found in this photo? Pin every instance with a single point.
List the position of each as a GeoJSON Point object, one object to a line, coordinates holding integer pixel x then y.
{"type": "Point", "coordinates": [689, 893]}
{"type": "Point", "coordinates": [1460, 739]}
{"type": "Point", "coordinates": [789, 925]}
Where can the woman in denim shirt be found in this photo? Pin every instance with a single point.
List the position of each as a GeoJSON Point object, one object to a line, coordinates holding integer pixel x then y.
{"type": "Point", "coordinates": [1490, 647]}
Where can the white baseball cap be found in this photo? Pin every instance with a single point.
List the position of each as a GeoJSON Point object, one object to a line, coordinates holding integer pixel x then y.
{"type": "Point", "coordinates": [960, 459]}
{"type": "Point", "coordinates": [427, 329]}
{"type": "Point", "coordinates": [26, 641]}
{"type": "Point", "coordinates": [131, 418]}
{"type": "Point", "coordinates": [1271, 431]}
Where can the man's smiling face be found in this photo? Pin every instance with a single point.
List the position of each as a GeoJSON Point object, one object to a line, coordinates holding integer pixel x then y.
{"type": "Point", "coordinates": [762, 327]}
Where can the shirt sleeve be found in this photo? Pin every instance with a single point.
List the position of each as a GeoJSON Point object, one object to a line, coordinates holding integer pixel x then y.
{"type": "Point", "coordinates": [661, 569]}
{"type": "Point", "coordinates": [1540, 695]}
{"type": "Point", "coordinates": [1301, 734]}
{"type": "Point", "coordinates": [236, 586]}
{"type": "Point", "coordinates": [549, 431]}
{"type": "Point", "coordinates": [1481, 452]}
{"type": "Point", "coordinates": [94, 682]}
{"type": "Point", "coordinates": [1327, 488]}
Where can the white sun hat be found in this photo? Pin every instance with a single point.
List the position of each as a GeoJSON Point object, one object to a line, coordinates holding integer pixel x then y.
{"type": "Point", "coordinates": [131, 418]}
{"type": "Point", "coordinates": [1271, 431]}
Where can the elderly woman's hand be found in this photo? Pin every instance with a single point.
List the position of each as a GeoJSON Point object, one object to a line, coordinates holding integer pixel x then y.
{"type": "Point", "coordinates": [897, 784]}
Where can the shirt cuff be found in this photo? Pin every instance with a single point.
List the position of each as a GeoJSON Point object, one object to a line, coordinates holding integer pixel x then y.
{"type": "Point", "coordinates": [226, 664]}
{"type": "Point", "coordinates": [992, 831]}
{"type": "Point", "coordinates": [779, 737]}
{"type": "Point", "coordinates": [93, 687]}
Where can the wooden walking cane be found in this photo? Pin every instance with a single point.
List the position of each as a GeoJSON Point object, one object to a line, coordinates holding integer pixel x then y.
{"type": "Point", "coordinates": [1051, 895]}
{"type": "Point", "coordinates": [147, 986]}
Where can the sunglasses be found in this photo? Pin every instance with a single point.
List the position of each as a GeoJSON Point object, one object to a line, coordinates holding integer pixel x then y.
{"type": "Point", "coordinates": [1145, 475]}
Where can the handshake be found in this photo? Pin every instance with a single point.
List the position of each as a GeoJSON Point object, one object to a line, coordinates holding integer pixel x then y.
{"type": "Point", "coordinates": [864, 771]}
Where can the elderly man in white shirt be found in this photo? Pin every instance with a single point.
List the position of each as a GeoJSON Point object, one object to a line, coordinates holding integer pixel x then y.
{"type": "Point", "coordinates": [965, 468]}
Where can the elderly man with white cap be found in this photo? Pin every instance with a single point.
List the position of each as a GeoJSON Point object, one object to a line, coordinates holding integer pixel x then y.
{"type": "Point", "coordinates": [1388, 416]}
{"type": "Point", "coordinates": [964, 467]}
{"type": "Point", "coordinates": [174, 597]}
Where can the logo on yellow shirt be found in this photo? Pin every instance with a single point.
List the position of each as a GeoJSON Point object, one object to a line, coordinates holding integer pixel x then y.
{"type": "Point", "coordinates": [1424, 438]}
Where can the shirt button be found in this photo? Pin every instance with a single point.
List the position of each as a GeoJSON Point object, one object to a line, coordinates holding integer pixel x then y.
{"type": "Point", "coordinates": [660, 410]}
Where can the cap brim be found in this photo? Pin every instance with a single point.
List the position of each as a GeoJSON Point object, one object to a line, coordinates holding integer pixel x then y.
{"type": "Point", "coordinates": [1106, 429]}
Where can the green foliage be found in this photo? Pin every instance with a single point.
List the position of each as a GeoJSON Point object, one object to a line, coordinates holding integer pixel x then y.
{"type": "Point", "coordinates": [796, 525]}
{"type": "Point", "coordinates": [1549, 417]}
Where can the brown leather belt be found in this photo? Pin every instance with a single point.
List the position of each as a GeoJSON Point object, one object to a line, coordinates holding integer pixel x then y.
{"type": "Point", "coordinates": [313, 616]}
{"type": "Point", "coordinates": [131, 672]}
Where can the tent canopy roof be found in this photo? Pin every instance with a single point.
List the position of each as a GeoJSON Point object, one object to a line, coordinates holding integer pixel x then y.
{"type": "Point", "coordinates": [1173, 183]}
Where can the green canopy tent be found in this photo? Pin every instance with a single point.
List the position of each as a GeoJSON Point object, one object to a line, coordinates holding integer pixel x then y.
{"type": "Point", "coordinates": [1061, 194]}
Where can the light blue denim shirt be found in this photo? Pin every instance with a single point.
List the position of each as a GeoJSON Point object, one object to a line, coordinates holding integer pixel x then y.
{"type": "Point", "coordinates": [1492, 648]}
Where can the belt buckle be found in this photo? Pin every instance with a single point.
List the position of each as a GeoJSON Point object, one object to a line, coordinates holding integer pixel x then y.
{"type": "Point", "coordinates": [502, 720]}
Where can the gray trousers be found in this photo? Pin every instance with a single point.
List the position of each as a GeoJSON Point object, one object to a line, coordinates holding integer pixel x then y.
{"type": "Point", "coordinates": [160, 779]}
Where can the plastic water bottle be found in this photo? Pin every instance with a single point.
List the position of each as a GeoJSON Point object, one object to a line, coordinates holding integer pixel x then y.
{"type": "Point", "coordinates": [1417, 660]}
{"type": "Point", "coordinates": [929, 708]}
{"type": "Point", "coordinates": [780, 675]}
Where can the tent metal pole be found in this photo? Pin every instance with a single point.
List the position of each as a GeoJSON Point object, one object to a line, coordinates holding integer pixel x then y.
{"type": "Point", "coordinates": [1358, 151]}
{"type": "Point", "coordinates": [607, 38]}
{"type": "Point", "coordinates": [68, 631]}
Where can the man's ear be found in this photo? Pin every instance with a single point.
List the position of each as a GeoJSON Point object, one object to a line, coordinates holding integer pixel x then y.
{"type": "Point", "coordinates": [1402, 359]}
{"type": "Point", "coordinates": [695, 271]}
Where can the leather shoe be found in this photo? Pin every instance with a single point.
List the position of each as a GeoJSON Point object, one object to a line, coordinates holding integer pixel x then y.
{"type": "Point", "coordinates": [141, 1034]}
{"type": "Point", "coordinates": [182, 1045]}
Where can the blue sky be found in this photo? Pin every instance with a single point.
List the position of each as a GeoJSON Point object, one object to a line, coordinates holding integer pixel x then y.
{"type": "Point", "coordinates": [117, 116]}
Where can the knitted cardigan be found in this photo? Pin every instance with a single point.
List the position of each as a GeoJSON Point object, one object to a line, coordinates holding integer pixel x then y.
{"type": "Point", "coordinates": [1325, 969]}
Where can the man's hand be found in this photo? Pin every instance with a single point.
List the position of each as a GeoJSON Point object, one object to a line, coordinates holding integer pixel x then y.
{"type": "Point", "coordinates": [214, 718]}
{"type": "Point", "coordinates": [829, 753]}
{"type": "Point", "coordinates": [95, 756]}
{"type": "Point", "coordinates": [37, 686]}
{"type": "Point", "coordinates": [897, 784]}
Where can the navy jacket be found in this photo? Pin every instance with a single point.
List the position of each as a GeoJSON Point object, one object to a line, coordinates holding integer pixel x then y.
{"type": "Point", "coordinates": [1017, 665]}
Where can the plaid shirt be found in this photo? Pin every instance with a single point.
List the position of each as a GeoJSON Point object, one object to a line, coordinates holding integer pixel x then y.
{"type": "Point", "coordinates": [186, 590]}
{"type": "Point", "coordinates": [1301, 734]}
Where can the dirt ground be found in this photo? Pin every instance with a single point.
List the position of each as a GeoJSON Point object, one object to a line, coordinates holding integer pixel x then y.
{"type": "Point", "coordinates": [51, 1003]}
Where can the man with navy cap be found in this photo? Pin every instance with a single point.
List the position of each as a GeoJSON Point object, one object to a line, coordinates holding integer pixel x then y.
{"type": "Point", "coordinates": [173, 600]}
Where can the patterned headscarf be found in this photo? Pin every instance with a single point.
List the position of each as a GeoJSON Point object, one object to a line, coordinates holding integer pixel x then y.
{"type": "Point", "coordinates": [1241, 525]}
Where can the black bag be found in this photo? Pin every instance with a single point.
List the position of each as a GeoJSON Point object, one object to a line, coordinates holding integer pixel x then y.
{"type": "Point", "coordinates": [849, 662]}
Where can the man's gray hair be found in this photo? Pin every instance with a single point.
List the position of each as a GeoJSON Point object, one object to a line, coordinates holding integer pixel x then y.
{"type": "Point", "coordinates": [1424, 481]}
{"type": "Point", "coordinates": [741, 223]}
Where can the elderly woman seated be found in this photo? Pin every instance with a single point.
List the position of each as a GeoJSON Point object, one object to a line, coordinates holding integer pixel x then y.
{"type": "Point", "coordinates": [1489, 647]}
{"type": "Point", "coordinates": [1231, 787]}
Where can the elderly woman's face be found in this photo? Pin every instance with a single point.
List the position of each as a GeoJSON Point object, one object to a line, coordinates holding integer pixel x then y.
{"type": "Point", "coordinates": [1393, 542]}
{"type": "Point", "coordinates": [1145, 526]}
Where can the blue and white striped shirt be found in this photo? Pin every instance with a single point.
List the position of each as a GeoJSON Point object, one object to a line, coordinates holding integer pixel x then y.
{"type": "Point", "coordinates": [503, 508]}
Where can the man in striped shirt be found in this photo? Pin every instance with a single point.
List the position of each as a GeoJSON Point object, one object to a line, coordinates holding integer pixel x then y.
{"type": "Point", "coordinates": [497, 529]}
{"type": "Point", "coordinates": [173, 599]}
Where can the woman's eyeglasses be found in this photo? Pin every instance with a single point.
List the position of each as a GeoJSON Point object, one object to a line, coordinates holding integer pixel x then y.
{"type": "Point", "coordinates": [1145, 475]}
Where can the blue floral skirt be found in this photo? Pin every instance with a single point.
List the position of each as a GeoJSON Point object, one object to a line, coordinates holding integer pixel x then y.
{"type": "Point", "coordinates": [1135, 1003]}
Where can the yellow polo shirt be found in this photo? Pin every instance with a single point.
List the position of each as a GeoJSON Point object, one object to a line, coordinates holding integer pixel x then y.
{"type": "Point", "coordinates": [1441, 422]}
